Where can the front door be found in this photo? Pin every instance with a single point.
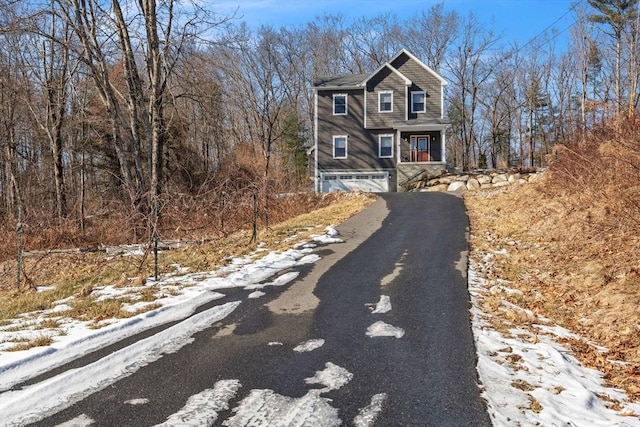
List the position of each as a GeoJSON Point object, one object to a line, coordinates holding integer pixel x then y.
{"type": "Point", "coordinates": [420, 148]}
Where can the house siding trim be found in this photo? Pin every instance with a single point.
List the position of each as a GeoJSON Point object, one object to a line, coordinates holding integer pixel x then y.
{"type": "Point", "coordinates": [316, 175]}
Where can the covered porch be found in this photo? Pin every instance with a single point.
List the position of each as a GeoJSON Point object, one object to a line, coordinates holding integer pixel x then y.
{"type": "Point", "coordinates": [421, 142]}
{"type": "Point", "coordinates": [421, 149]}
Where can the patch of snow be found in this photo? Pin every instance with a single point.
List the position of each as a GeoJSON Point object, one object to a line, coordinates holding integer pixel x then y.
{"type": "Point", "coordinates": [16, 367]}
{"type": "Point", "coordinates": [272, 343]}
{"type": "Point", "coordinates": [34, 402]}
{"type": "Point", "coordinates": [266, 408]}
{"type": "Point", "coordinates": [332, 377]}
{"type": "Point", "coordinates": [382, 329]}
{"type": "Point", "coordinates": [308, 259]}
{"type": "Point", "coordinates": [383, 306]}
{"type": "Point", "coordinates": [331, 231]}
{"type": "Point", "coordinates": [529, 379]}
{"type": "Point", "coordinates": [138, 306]}
{"type": "Point", "coordinates": [256, 294]}
{"type": "Point", "coordinates": [309, 345]}
{"type": "Point", "coordinates": [201, 410]}
{"type": "Point", "coordinates": [325, 239]}
{"type": "Point", "coordinates": [367, 416]}
{"type": "Point", "coordinates": [60, 308]}
{"type": "Point", "coordinates": [141, 401]}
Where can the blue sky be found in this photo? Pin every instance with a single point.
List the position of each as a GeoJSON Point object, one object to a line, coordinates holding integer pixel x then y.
{"type": "Point", "coordinates": [516, 20]}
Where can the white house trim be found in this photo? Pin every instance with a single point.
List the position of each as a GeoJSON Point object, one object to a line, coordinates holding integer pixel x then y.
{"type": "Point", "coordinates": [316, 175]}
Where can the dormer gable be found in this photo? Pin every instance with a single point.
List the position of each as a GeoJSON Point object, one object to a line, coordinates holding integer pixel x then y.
{"type": "Point", "coordinates": [398, 59]}
{"type": "Point", "coordinates": [384, 66]}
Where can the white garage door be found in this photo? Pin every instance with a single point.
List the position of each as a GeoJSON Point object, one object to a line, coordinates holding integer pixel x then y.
{"type": "Point", "coordinates": [368, 182]}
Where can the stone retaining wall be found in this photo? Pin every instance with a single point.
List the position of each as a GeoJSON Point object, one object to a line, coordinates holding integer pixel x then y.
{"type": "Point", "coordinates": [476, 181]}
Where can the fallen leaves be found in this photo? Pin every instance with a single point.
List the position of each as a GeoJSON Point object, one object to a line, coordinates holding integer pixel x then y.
{"type": "Point", "coordinates": [572, 264]}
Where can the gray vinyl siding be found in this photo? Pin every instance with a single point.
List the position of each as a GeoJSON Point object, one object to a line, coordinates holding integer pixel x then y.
{"type": "Point", "coordinates": [385, 80]}
{"type": "Point", "coordinates": [422, 81]}
{"type": "Point", "coordinates": [362, 145]}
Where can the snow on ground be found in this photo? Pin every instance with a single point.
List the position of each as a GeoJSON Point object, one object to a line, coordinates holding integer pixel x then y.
{"type": "Point", "coordinates": [526, 377]}
{"type": "Point", "coordinates": [383, 306]}
{"type": "Point", "coordinates": [382, 329]}
{"type": "Point", "coordinates": [529, 379]}
{"type": "Point", "coordinates": [309, 345]}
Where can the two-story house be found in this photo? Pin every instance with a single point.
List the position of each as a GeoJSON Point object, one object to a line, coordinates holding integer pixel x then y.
{"type": "Point", "coordinates": [376, 132]}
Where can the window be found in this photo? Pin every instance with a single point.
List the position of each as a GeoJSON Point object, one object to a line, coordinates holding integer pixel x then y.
{"type": "Point", "coordinates": [418, 104]}
{"type": "Point", "coordinates": [385, 146]}
{"type": "Point", "coordinates": [339, 105]}
{"type": "Point", "coordinates": [385, 102]}
{"type": "Point", "coordinates": [340, 147]}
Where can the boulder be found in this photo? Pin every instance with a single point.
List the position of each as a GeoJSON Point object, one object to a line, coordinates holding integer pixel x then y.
{"type": "Point", "coordinates": [439, 187]}
{"type": "Point", "coordinates": [501, 184]}
{"type": "Point", "coordinates": [457, 186]}
{"type": "Point", "coordinates": [483, 179]}
{"type": "Point", "coordinates": [473, 184]}
{"type": "Point", "coordinates": [486, 186]}
{"type": "Point", "coordinates": [514, 178]}
{"type": "Point", "coordinates": [500, 178]}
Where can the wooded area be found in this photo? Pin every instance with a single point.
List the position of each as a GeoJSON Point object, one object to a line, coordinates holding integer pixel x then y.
{"type": "Point", "coordinates": [117, 114]}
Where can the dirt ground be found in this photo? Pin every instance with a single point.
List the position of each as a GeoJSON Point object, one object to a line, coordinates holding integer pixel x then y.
{"type": "Point", "coordinates": [575, 262]}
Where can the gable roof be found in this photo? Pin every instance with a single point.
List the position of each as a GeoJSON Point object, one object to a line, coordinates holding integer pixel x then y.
{"type": "Point", "coordinates": [357, 81]}
{"type": "Point", "coordinates": [382, 67]}
{"type": "Point", "coordinates": [442, 81]}
{"type": "Point", "coordinates": [344, 82]}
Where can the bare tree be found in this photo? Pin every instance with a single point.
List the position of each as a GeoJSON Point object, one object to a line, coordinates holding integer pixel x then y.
{"type": "Point", "coordinates": [618, 15]}
{"type": "Point", "coordinates": [470, 72]}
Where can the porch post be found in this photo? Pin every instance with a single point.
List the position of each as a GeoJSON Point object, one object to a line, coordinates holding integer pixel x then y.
{"type": "Point", "coordinates": [443, 145]}
{"type": "Point", "coordinates": [398, 146]}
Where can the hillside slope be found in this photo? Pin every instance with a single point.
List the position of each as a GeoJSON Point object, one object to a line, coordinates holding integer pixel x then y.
{"type": "Point", "coordinates": [574, 262]}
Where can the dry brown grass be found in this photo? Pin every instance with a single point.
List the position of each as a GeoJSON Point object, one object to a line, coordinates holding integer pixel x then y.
{"type": "Point", "coordinates": [572, 252]}
{"type": "Point", "coordinates": [75, 274]}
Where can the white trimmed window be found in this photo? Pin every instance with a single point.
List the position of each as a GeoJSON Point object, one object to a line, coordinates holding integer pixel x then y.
{"type": "Point", "coordinates": [418, 102]}
{"type": "Point", "coordinates": [340, 146]}
{"type": "Point", "coordinates": [385, 146]}
{"type": "Point", "coordinates": [385, 102]}
{"type": "Point", "coordinates": [339, 104]}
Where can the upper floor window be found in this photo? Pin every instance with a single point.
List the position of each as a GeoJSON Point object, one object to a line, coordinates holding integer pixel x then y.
{"type": "Point", "coordinates": [385, 102]}
{"type": "Point", "coordinates": [418, 104]}
{"type": "Point", "coordinates": [339, 104]}
{"type": "Point", "coordinates": [340, 146]}
{"type": "Point", "coordinates": [385, 146]}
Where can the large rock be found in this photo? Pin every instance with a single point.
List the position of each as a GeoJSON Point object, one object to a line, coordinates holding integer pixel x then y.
{"type": "Point", "coordinates": [500, 178]}
{"type": "Point", "coordinates": [473, 184]}
{"type": "Point", "coordinates": [501, 184]}
{"type": "Point", "coordinates": [439, 187]}
{"type": "Point", "coordinates": [457, 186]}
{"type": "Point", "coordinates": [484, 179]}
{"type": "Point", "coordinates": [514, 178]}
